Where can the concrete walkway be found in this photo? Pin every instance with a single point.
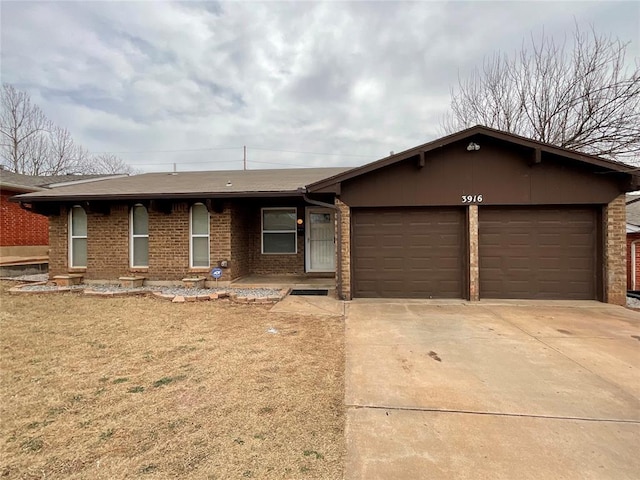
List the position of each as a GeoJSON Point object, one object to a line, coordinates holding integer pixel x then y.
{"type": "Point", "coordinates": [500, 390]}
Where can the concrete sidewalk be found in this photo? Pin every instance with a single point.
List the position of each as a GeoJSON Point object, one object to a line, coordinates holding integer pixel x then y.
{"type": "Point", "coordinates": [492, 390]}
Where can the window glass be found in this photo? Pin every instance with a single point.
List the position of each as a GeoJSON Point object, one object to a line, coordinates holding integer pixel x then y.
{"type": "Point", "coordinates": [78, 222]}
{"type": "Point", "coordinates": [199, 220]}
{"type": "Point", "coordinates": [279, 243]}
{"type": "Point", "coordinates": [79, 252]}
{"type": "Point", "coordinates": [200, 251]}
{"type": "Point", "coordinates": [279, 230]}
{"type": "Point", "coordinates": [279, 220]}
{"type": "Point", "coordinates": [140, 251]}
{"type": "Point", "coordinates": [140, 220]}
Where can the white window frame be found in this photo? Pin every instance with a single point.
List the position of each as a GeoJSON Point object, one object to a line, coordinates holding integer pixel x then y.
{"type": "Point", "coordinates": [294, 231]}
{"type": "Point", "coordinates": [199, 235]}
{"type": "Point", "coordinates": [132, 236]}
{"type": "Point", "coordinates": [72, 237]}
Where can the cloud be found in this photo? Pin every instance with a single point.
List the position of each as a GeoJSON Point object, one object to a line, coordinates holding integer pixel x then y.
{"type": "Point", "coordinates": [359, 78]}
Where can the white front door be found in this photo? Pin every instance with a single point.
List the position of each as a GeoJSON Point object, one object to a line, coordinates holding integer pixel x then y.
{"type": "Point", "coordinates": [320, 235]}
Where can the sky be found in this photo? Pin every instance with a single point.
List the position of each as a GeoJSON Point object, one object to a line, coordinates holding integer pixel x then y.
{"type": "Point", "coordinates": [300, 84]}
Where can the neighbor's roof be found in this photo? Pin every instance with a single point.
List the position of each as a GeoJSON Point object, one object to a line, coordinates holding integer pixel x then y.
{"type": "Point", "coordinates": [18, 182]}
{"type": "Point", "coordinates": [230, 183]}
{"type": "Point", "coordinates": [469, 134]}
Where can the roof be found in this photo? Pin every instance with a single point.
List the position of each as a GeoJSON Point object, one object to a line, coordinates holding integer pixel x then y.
{"type": "Point", "coordinates": [479, 130]}
{"type": "Point", "coordinates": [32, 183]}
{"type": "Point", "coordinates": [229, 183]}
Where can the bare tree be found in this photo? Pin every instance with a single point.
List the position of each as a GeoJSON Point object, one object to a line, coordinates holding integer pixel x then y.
{"type": "Point", "coordinates": [109, 163]}
{"type": "Point", "coordinates": [33, 145]}
{"type": "Point", "coordinates": [584, 97]}
{"type": "Point", "coordinates": [64, 155]}
{"type": "Point", "coordinates": [22, 125]}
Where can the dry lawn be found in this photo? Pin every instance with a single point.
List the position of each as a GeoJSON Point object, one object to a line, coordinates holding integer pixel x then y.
{"type": "Point", "coordinates": [137, 387]}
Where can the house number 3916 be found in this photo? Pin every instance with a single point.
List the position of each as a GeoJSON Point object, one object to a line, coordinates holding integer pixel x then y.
{"type": "Point", "coordinates": [472, 198]}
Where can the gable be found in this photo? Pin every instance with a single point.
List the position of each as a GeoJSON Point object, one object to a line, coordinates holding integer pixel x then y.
{"type": "Point", "coordinates": [502, 172]}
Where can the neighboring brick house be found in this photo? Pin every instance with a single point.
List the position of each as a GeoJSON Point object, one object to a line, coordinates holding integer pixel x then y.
{"type": "Point", "coordinates": [477, 214]}
{"type": "Point", "coordinates": [24, 235]}
{"type": "Point", "coordinates": [633, 242]}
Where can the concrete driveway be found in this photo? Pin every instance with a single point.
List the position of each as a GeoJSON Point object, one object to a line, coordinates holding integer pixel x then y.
{"type": "Point", "coordinates": [492, 390]}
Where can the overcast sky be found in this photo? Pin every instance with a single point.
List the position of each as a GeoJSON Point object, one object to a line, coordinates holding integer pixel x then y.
{"type": "Point", "coordinates": [348, 82]}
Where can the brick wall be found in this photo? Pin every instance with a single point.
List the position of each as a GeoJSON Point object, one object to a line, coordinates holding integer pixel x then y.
{"type": "Point", "coordinates": [20, 227]}
{"type": "Point", "coordinates": [343, 275]}
{"type": "Point", "coordinates": [631, 238]}
{"type": "Point", "coordinates": [615, 258]}
{"type": "Point", "coordinates": [274, 264]}
{"type": "Point", "coordinates": [58, 239]}
{"type": "Point", "coordinates": [235, 236]}
{"type": "Point", "coordinates": [242, 228]}
{"type": "Point", "coordinates": [107, 243]}
{"type": "Point", "coordinates": [474, 253]}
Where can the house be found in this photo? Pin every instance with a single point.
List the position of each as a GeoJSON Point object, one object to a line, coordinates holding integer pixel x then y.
{"type": "Point", "coordinates": [24, 234]}
{"type": "Point", "coordinates": [633, 241]}
{"type": "Point", "coordinates": [477, 214]}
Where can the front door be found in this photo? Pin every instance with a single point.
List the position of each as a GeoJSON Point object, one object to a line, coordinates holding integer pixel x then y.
{"type": "Point", "coordinates": [320, 235]}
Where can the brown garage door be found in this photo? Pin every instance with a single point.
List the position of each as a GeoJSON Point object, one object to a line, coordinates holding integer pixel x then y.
{"type": "Point", "coordinates": [545, 253]}
{"type": "Point", "coordinates": [408, 252]}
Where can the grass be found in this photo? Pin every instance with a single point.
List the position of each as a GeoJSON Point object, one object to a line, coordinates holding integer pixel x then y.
{"type": "Point", "coordinates": [136, 387]}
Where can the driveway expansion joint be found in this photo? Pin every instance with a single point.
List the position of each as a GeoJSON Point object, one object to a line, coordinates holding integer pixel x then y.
{"type": "Point", "coordinates": [492, 414]}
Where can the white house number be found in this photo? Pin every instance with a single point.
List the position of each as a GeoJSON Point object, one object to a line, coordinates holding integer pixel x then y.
{"type": "Point", "coordinates": [472, 198]}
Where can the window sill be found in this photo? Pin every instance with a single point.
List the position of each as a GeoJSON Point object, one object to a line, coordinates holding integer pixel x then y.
{"type": "Point", "coordinates": [139, 269]}
{"type": "Point", "coordinates": [76, 269]}
{"type": "Point", "coordinates": [279, 253]}
{"type": "Point", "coordinates": [200, 269]}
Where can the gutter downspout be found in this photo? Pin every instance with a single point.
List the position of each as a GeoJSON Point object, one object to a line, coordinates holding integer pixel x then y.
{"type": "Point", "coordinates": [318, 203]}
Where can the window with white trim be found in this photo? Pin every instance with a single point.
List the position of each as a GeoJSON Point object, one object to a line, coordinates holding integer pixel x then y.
{"type": "Point", "coordinates": [199, 232]}
{"type": "Point", "coordinates": [77, 237]}
{"type": "Point", "coordinates": [279, 230]}
{"type": "Point", "coordinates": [139, 242]}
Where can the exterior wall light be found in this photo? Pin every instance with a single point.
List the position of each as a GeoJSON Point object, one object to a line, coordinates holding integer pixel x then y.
{"type": "Point", "coordinates": [473, 146]}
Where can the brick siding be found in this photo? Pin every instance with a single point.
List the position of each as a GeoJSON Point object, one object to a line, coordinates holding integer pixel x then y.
{"type": "Point", "coordinates": [474, 255]}
{"type": "Point", "coordinates": [615, 258]}
{"type": "Point", "coordinates": [58, 240]}
{"type": "Point", "coordinates": [19, 227]}
{"type": "Point", "coordinates": [235, 236]}
{"type": "Point", "coordinates": [343, 280]}
{"type": "Point", "coordinates": [633, 237]}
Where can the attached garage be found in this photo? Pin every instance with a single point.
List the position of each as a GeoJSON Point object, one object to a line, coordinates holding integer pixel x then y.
{"type": "Point", "coordinates": [539, 252]}
{"type": "Point", "coordinates": [482, 214]}
{"type": "Point", "coordinates": [408, 252]}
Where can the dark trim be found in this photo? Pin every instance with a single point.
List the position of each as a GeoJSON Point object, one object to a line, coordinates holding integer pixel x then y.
{"type": "Point", "coordinates": [469, 133]}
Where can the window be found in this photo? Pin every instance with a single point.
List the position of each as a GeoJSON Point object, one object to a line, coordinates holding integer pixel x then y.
{"type": "Point", "coordinates": [279, 230]}
{"type": "Point", "coordinates": [139, 236]}
{"type": "Point", "coordinates": [199, 236]}
{"type": "Point", "coordinates": [77, 237]}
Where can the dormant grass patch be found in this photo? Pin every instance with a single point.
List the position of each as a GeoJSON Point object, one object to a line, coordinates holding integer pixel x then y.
{"type": "Point", "coordinates": [138, 388]}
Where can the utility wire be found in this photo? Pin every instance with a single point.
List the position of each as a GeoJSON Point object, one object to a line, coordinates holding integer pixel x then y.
{"type": "Point", "coordinates": [237, 148]}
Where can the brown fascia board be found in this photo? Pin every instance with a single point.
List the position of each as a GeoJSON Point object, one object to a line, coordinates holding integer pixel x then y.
{"type": "Point", "coordinates": [150, 196]}
{"type": "Point", "coordinates": [467, 133]}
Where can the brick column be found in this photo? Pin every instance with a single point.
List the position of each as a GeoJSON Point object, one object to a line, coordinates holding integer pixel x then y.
{"type": "Point", "coordinates": [474, 270]}
{"type": "Point", "coordinates": [343, 275]}
{"type": "Point", "coordinates": [615, 259]}
{"type": "Point", "coordinates": [58, 243]}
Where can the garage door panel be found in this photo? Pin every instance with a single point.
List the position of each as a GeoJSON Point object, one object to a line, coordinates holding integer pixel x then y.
{"type": "Point", "coordinates": [538, 252]}
{"type": "Point", "coordinates": [418, 252]}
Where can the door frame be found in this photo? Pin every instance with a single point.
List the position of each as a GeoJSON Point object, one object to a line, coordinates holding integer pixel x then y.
{"type": "Point", "coordinates": [307, 238]}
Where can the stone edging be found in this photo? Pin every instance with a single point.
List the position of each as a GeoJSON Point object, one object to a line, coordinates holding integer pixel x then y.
{"type": "Point", "coordinates": [229, 294]}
